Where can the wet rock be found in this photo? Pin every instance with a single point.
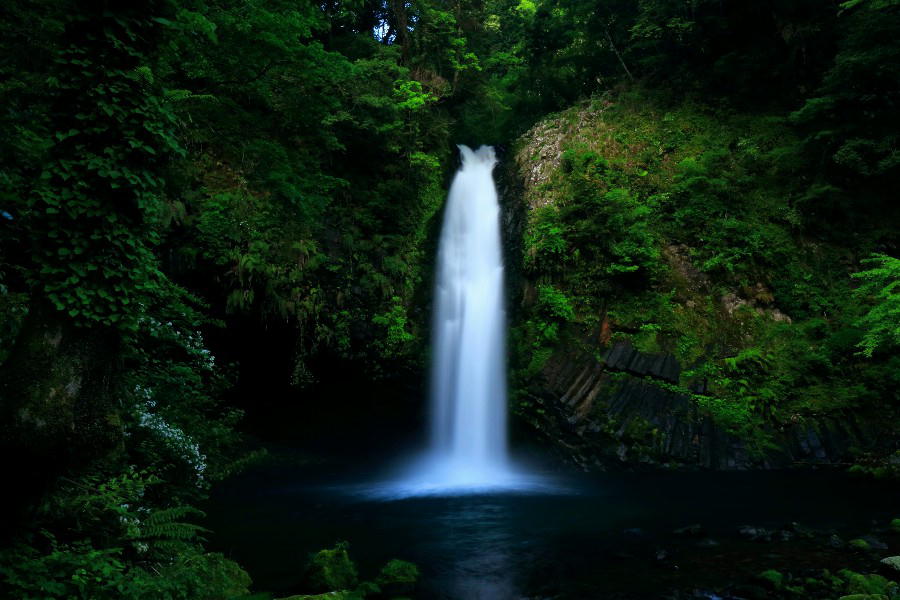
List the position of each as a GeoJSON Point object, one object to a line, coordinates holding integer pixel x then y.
{"type": "Point", "coordinates": [693, 530]}
{"type": "Point", "coordinates": [811, 445]}
{"type": "Point", "coordinates": [623, 357]}
{"type": "Point", "coordinates": [874, 543]}
{"type": "Point", "coordinates": [785, 535]}
{"type": "Point", "coordinates": [800, 531]}
{"type": "Point", "coordinates": [585, 411]}
{"type": "Point", "coordinates": [707, 543]}
{"type": "Point", "coordinates": [835, 541]}
{"type": "Point", "coordinates": [634, 533]}
{"type": "Point", "coordinates": [755, 534]}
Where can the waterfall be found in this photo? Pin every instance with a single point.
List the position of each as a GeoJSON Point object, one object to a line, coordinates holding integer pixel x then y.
{"type": "Point", "coordinates": [468, 452]}
{"type": "Point", "coordinates": [468, 375]}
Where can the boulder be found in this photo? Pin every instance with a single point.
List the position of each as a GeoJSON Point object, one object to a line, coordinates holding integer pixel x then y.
{"type": "Point", "coordinates": [693, 530]}
{"type": "Point", "coordinates": [772, 579]}
{"type": "Point", "coordinates": [895, 526]}
{"type": "Point", "coordinates": [892, 563]}
{"type": "Point", "coordinates": [859, 544]}
{"type": "Point", "coordinates": [858, 583]}
{"type": "Point", "coordinates": [874, 542]}
{"type": "Point", "coordinates": [756, 534]}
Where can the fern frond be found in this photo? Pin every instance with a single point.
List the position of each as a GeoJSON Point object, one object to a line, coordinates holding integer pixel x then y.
{"type": "Point", "coordinates": [169, 524]}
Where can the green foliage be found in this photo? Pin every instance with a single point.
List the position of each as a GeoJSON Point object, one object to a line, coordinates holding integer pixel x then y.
{"type": "Point", "coordinates": [278, 161]}
{"type": "Point", "coordinates": [332, 574]}
{"type": "Point", "coordinates": [80, 571]}
{"type": "Point", "coordinates": [398, 578]}
{"type": "Point", "coordinates": [676, 228]}
{"type": "Point", "coordinates": [93, 209]}
{"type": "Point", "coordinates": [545, 242]}
{"type": "Point", "coordinates": [332, 569]}
{"type": "Point", "coordinates": [120, 542]}
{"type": "Point", "coordinates": [395, 322]}
{"type": "Point", "coordinates": [598, 233]}
{"type": "Point", "coordinates": [88, 201]}
{"type": "Point", "coordinates": [397, 571]}
{"type": "Point", "coordinates": [553, 304]}
{"type": "Point", "coordinates": [850, 120]}
{"type": "Point", "coordinates": [339, 241]}
{"type": "Point", "coordinates": [880, 286]}
{"type": "Point", "coordinates": [858, 583]}
{"type": "Point", "coordinates": [845, 584]}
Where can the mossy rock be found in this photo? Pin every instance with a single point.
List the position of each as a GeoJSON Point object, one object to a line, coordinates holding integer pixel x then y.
{"type": "Point", "coordinates": [332, 569]}
{"type": "Point", "coordinates": [773, 578]}
{"type": "Point", "coordinates": [895, 526]}
{"type": "Point", "coordinates": [857, 583]}
{"type": "Point", "coordinates": [859, 544]}
{"type": "Point", "coordinates": [398, 578]}
{"type": "Point", "coordinates": [367, 588]}
{"type": "Point", "coordinates": [892, 562]}
{"type": "Point", "coordinates": [864, 597]}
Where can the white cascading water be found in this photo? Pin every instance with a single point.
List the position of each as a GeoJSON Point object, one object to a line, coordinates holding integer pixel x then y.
{"type": "Point", "coordinates": [468, 378]}
{"type": "Point", "coordinates": [468, 452]}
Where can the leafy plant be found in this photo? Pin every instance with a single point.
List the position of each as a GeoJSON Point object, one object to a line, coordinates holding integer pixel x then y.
{"type": "Point", "coordinates": [879, 285]}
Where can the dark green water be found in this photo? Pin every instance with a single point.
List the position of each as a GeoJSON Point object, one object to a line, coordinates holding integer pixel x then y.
{"type": "Point", "coordinates": [606, 536]}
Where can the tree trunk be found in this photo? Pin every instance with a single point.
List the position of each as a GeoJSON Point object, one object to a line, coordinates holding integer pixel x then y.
{"type": "Point", "coordinates": [401, 26]}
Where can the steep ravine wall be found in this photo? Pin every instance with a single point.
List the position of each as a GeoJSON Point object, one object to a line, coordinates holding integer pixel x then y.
{"type": "Point", "coordinates": [600, 404]}
{"type": "Point", "coordinates": [621, 409]}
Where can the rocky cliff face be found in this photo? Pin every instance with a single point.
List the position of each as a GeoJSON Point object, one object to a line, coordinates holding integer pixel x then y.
{"type": "Point", "coordinates": [599, 401]}
{"type": "Point", "coordinates": [623, 410]}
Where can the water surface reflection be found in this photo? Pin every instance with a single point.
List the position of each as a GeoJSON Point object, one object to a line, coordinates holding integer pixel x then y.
{"type": "Point", "coordinates": [603, 541]}
{"type": "Point", "coordinates": [476, 542]}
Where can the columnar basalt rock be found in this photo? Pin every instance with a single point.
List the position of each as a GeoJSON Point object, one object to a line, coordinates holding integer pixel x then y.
{"type": "Point", "coordinates": [620, 412]}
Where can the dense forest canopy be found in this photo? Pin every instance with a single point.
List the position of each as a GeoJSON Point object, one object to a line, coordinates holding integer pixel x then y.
{"type": "Point", "coordinates": [174, 172]}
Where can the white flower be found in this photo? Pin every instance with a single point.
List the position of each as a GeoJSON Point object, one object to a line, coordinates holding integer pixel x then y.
{"type": "Point", "coordinates": [172, 436]}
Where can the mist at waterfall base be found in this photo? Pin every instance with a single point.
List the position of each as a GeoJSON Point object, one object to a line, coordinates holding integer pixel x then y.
{"type": "Point", "coordinates": [468, 438]}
